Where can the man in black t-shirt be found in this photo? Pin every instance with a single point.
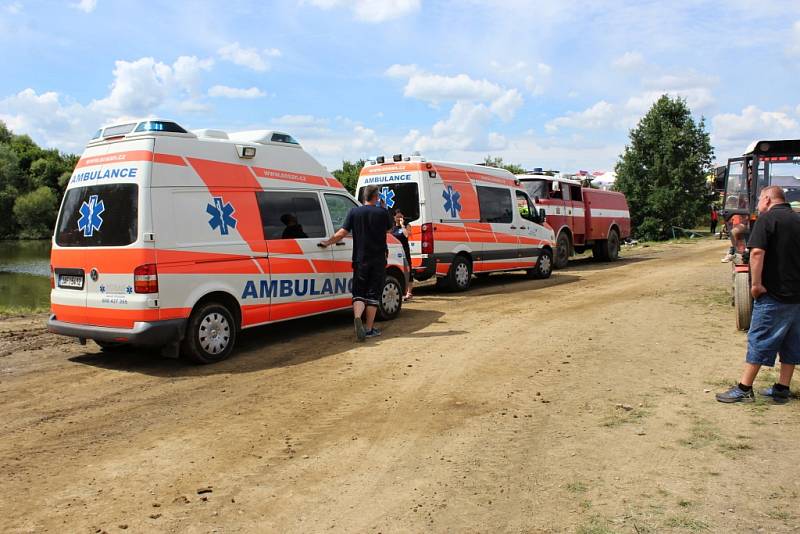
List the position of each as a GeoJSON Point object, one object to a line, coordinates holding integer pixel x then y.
{"type": "Point", "coordinates": [775, 285]}
{"type": "Point", "coordinates": [368, 224]}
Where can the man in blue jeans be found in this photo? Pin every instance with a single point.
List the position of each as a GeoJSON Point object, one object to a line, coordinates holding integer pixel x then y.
{"type": "Point", "coordinates": [368, 224]}
{"type": "Point", "coordinates": [775, 285]}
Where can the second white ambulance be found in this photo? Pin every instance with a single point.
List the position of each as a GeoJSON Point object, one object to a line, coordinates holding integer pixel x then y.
{"type": "Point", "coordinates": [464, 218]}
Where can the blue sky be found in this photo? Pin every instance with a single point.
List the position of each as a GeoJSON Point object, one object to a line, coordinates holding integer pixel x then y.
{"type": "Point", "coordinates": [555, 84]}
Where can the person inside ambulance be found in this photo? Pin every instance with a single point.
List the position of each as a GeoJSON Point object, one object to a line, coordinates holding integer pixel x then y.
{"type": "Point", "coordinates": [293, 229]}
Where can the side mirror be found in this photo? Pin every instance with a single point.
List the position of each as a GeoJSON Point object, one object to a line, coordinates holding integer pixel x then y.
{"type": "Point", "coordinates": [542, 215]}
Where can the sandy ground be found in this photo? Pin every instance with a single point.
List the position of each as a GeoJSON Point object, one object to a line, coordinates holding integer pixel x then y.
{"type": "Point", "coordinates": [583, 403]}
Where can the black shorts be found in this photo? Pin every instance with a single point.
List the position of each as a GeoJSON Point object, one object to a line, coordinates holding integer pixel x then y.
{"type": "Point", "coordinates": [368, 279]}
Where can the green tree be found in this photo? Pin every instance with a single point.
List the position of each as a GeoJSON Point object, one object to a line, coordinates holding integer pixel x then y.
{"type": "Point", "coordinates": [348, 174]}
{"type": "Point", "coordinates": [36, 213]}
{"type": "Point", "coordinates": [498, 163]}
{"type": "Point", "coordinates": [662, 171]}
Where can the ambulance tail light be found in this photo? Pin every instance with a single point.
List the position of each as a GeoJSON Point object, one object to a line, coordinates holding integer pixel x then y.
{"type": "Point", "coordinates": [145, 279]}
{"type": "Point", "coordinates": [427, 238]}
{"type": "Point", "coordinates": [52, 278]}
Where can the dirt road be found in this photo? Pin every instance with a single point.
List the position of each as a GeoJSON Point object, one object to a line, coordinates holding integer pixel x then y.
{"type": "Point", "coordinates": [583, 403]}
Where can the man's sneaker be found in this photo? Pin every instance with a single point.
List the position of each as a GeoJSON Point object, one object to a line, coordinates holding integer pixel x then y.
{"type": "Point", "coordinates": [373, 332]}
{"type": "Point", "coordinates": [780, 396]}
{"type": "Point", "coordinates": [361, 334]}
{"type": "Point", "coordinates": [736, 394]}
{"type": "Point", "coordinates": [727, 258]}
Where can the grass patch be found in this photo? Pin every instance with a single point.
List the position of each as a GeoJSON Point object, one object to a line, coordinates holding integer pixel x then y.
{"type": "Point", "coordinates": [689, 523]}
{"type": "Point", "coordinates": [683, 503]}
{"type": "Point", "coordinates": [719, 382]}
{"type": "Point", "coordinates": [779, 514]}
{"type": "Point", "coordinates": [577, 487]}
{"type": "Point", "coordinates": [15, 311]}
{"type": "Point", "coordinates": [595, 525]}
{"type": "Point", "coordinates": [620, 416]}
{"type": "Point", "coordinates": [701, 434]}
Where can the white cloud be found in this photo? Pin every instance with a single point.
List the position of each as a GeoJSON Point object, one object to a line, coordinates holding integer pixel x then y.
{"type": "Point", "coordinates": [87, 6]}
{"type": "Point", "coordinates": [600, 115]}
{"type": "Point", "coordinates": [251, 58]}
{"type": "Point", "coordinates": [463, 129]}
{"type": "Point", "coordinates": [507, 104]}
{"type": "Point", "coordinates": [402, 71]}
{"type": "Point", "coordinates": [538, 82]}
{"type": "Point", "coordinates": [730, 129]}
{"type": "Point", "coordinates": [138, 88]}
{"type": "Point", "coordinates": [434, 88]}
{"type": "Point", "coordinates": [233, 92]}
{"type": "Point", "coordinates": [629, 61]}
{"type": "Point", "coordinates": [187, 71]}
{"type": "Point", "coordinates": [372, 10]}
{"type": "Point", "coordinates": [48, 118]}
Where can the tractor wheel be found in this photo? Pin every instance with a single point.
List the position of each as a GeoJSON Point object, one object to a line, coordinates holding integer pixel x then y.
{"type": "Point", "coordinates": [743, 300]}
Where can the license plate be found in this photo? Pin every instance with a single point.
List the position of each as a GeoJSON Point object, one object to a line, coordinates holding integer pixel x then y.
{"type": "Point", "coordinates": [70, 281]}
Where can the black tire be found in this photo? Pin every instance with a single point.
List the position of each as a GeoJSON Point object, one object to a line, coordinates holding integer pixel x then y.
{"type": "Point", "coordinates": [563, 249]}
{"type": "Point", "coordinates": [460, 274]}
{"type": "Point", "coordinates": [210, 334]}
{"type": "Point", "coordinates": [112, 346]}
{"type": "Point", "coordinates": [743, 300]}
{"type": "Point", "coordinates": [544, 266]}
{"type": "Point", "coordinates": [612, 246]}
{"type": "Point", "coordinates": [598, 250]}
{"type": "Point", "coordinates": [391, 298]}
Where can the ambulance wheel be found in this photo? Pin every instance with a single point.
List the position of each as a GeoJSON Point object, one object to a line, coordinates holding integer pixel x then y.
{"type": "Point", "coordinates": [391, 299]}
{"type": "Point", "coordinates": [544, 266]}
{"type": "Point", "coordinates": [562, 251]}
{"type": "Point", "coordinates": [210, 334]}
{"type": "Point", "coordinates": [460, 274]}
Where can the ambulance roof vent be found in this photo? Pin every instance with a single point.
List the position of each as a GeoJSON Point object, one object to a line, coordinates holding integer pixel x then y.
{"type": "Point", "coordinates": [210, 134]}
{"type": "Point", "coordinates": [265, 137]}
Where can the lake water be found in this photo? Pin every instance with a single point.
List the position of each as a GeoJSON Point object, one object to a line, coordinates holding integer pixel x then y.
{"type": "Point", "coordinates": [24, 274]}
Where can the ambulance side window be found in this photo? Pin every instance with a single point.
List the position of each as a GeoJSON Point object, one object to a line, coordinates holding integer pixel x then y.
{"type": "Point", "coordinates": [338, 206]}
{"type": "Point", "coordinates": [290, 215]}
{"type": "Point", "coordinates": [495, 204]}
{"type": "Point", "coordinates": [575, 191]}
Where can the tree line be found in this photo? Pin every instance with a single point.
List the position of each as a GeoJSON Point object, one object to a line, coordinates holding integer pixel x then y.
{"type": "Point", "coordinates": [32, 182]}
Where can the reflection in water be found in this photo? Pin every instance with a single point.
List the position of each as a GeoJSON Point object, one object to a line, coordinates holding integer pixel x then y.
{"type": "Point", "coordinates": [24, 270]}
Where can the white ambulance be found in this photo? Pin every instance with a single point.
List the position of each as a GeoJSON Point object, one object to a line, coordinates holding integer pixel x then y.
{"type": "Point", "coordinates": [176, 239]}
{"type": "Point", "coordinates": [464, 219]}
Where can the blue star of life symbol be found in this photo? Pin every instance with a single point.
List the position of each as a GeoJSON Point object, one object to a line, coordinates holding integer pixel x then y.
{"type": "Point", "coordinates": [129, 290]}
{"type": "Point", "coordinates": [451, 201]}
{"type": "Point", "coordinates": [221, 215]}
{"type": "Point", "coordinates": [102, 289]}
{"type": "Point", "coordinates": [387, 197]}
{"type": "Point", "coordinates": [90, 216]}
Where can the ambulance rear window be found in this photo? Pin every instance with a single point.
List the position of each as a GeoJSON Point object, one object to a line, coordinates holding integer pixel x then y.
{"type": "Point", "coordinates": [403, 197]}
{"type": "Point", "coordinates": [99, 216]}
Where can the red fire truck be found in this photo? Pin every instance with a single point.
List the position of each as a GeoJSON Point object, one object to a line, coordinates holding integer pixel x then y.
{"type": "Point", "coordinates": [581, 217]}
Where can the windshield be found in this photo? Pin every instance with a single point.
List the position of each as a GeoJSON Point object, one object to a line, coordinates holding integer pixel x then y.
{"type": "Point", "coordinates": [736, 190]}
{"type": "Point", "coordinates": [99, 216]}
{"type": "Point", "coordinates": [403, 197]}
{"type": "Point", "coordinates": [786, 175]}
{"type": "Point", "coordinates": [537, 189]}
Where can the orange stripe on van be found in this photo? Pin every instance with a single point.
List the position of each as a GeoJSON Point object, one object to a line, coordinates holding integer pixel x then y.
{"type": "Point", "coordinates": [284, 246]}
{"type": "Point", "coordinates": [124, 261]}
{"type": "Point", "coordinates": [448, 232]}
{"type": "Point", "coordinates": [115, 157]}
{"type": "Point", "coordinates": [482, 267]}
{"type": "Point", "coordinates": [169, 159]}
{"type": "Point", "coordinates": [288, 310]}
{"type": "Point", "coordinates": [333, 266]}
{"type": "Point", "coordinates": [290, 266]}
{"type": "Point", "coordinates": [104, 260]}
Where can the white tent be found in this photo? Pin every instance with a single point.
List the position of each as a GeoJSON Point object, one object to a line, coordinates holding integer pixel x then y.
{"type": "Point", "coordinates": [604, 180]}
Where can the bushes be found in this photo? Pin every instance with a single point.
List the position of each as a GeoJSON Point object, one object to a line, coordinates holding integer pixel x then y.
{"type": "Point", "coordinates": [36, 213]}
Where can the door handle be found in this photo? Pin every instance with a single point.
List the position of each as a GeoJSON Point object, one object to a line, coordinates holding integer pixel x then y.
{"type": "Point", "coordinates": [340, 243]}
{"type": "Point", "coordinates": [523, 227]}
{"type": "Point", "coordinates": [513, 227]}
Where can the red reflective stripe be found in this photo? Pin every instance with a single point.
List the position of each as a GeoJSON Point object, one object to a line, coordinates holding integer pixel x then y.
{"type": "Point", "coordinates": [482, 267]}
{"type": "Point", "coordinates": [333, 266]}
{"type": "Point", "coordinates": [169, 159]}
{"type": "Point", "coordinates": [442, 268]}
{"type": "Point", "coordinates": [276, 174]}
{"type": "Point", "coordinates": [284, 246]}
{"type": "Point", "coordinates": [290, 266]}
